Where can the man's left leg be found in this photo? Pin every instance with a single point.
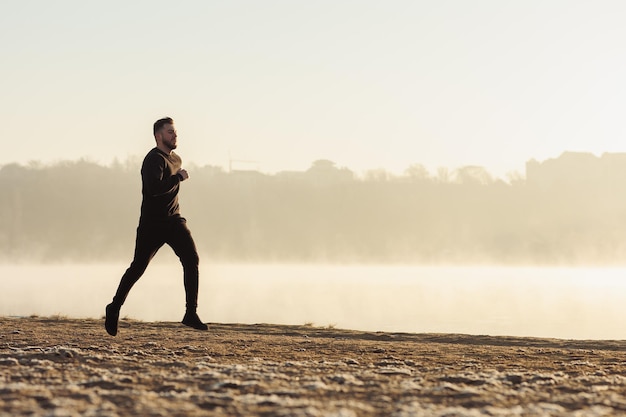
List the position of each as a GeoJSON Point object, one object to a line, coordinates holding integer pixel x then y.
{"type": "Point", "coordinates": [182, 243]}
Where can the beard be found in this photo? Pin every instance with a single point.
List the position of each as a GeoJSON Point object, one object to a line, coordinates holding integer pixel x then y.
{"type": "Point", "coordinates": [171, 144]}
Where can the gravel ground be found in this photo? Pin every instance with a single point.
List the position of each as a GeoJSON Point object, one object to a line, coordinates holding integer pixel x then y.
{"type": "Point", "coordinates": [71, 367]}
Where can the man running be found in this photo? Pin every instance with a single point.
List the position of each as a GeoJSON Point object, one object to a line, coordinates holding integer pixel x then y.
{"type": "Point", "coordinates": [160, 223]}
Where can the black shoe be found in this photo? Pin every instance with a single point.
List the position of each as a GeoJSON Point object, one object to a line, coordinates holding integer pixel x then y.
{"type": "Point", "coordinates": [112, 316]}
{"type": "Point", "coordinates": [191, 319]}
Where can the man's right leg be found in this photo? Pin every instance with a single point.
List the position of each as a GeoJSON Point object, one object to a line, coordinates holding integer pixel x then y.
{"type": "Point", "coordinates": [147, 244]}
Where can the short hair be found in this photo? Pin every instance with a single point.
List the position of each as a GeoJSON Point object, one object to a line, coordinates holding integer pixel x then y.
{"type": "Point", "coordinates": [158, 125]}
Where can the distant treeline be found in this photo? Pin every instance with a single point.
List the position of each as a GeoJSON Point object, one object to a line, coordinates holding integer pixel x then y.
{"type": "Point", "coordinates": [82, 211]}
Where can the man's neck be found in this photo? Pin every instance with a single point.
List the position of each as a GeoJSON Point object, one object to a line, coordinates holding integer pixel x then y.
{"type": "Point", "coordinates": [164, 149]}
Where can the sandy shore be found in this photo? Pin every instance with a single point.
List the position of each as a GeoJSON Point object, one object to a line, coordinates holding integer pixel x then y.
{"type": "Point", "coordinates": [71, 367]}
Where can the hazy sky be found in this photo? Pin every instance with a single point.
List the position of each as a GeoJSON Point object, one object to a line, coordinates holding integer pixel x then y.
{"type": "Point", "coordinates": [367, 84]}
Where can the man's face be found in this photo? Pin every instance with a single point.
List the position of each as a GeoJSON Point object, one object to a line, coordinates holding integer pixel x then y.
{"type": "Point", "coordinates": [167, 136]}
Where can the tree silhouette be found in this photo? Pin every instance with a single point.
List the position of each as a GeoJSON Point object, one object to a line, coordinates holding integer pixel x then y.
{"type": "Point", "coordinates": [82, 211]}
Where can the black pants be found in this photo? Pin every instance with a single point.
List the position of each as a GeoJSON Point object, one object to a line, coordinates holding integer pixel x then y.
{"type": "Point", "coordinates": [151, 236]}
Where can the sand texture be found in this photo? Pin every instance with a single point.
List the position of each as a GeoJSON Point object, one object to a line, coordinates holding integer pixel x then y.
{"type": "Point", "coordinates": [71, 367]}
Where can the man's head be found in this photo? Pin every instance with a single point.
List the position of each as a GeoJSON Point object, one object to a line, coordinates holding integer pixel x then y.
{"type": "Point", "coordinates": [165, 134]}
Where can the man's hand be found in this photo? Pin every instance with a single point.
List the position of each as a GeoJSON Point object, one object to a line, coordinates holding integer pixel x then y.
{"type": "Point", "coordinates": [183, 174]}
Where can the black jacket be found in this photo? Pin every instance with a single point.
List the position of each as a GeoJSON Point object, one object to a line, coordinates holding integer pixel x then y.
{"type": "Point", "coordinates": [160, 184]}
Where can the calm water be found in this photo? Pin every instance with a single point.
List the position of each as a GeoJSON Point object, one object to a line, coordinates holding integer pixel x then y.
{"type": "Point", "coordinates": [578, 303]}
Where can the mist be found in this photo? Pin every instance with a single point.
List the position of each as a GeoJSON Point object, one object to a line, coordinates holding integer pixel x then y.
{"type": "Point", "coordinates": [573, 303]}
{"type": "Point", "coordinates": [460, 251]}
{"type": "Point", "coordinates": [565, 211]}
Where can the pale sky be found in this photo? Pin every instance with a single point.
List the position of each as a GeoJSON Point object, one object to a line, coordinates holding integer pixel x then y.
{"type": "Point", "coordinates": [367, 84]}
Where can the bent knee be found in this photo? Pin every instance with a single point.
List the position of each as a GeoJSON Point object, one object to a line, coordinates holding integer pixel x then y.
{"type": "Point", "coordinates": [191, 260]}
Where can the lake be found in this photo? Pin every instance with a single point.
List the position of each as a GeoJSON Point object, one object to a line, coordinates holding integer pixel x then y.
{"type": "Point", "coordinates": [572, 303]}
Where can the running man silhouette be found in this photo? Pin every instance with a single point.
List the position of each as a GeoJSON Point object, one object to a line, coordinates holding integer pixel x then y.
{"type": "Point", "coordinates": [160, 222]}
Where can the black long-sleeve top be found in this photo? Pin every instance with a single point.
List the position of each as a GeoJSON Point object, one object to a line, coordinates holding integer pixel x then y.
{"type": "Point", "coordinates": [160, 184]}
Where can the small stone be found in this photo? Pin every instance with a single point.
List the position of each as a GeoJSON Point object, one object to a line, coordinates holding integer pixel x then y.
{"type": "Point", "coordinates": [9, 362]}
{"type": "Point", "coordinates": [514, 379]}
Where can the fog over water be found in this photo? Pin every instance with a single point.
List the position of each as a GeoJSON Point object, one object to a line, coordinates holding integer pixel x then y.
{"type": "Point", "coordinates": [578, 303]}
{"type": "Point", "coordinates": [331, 248]}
